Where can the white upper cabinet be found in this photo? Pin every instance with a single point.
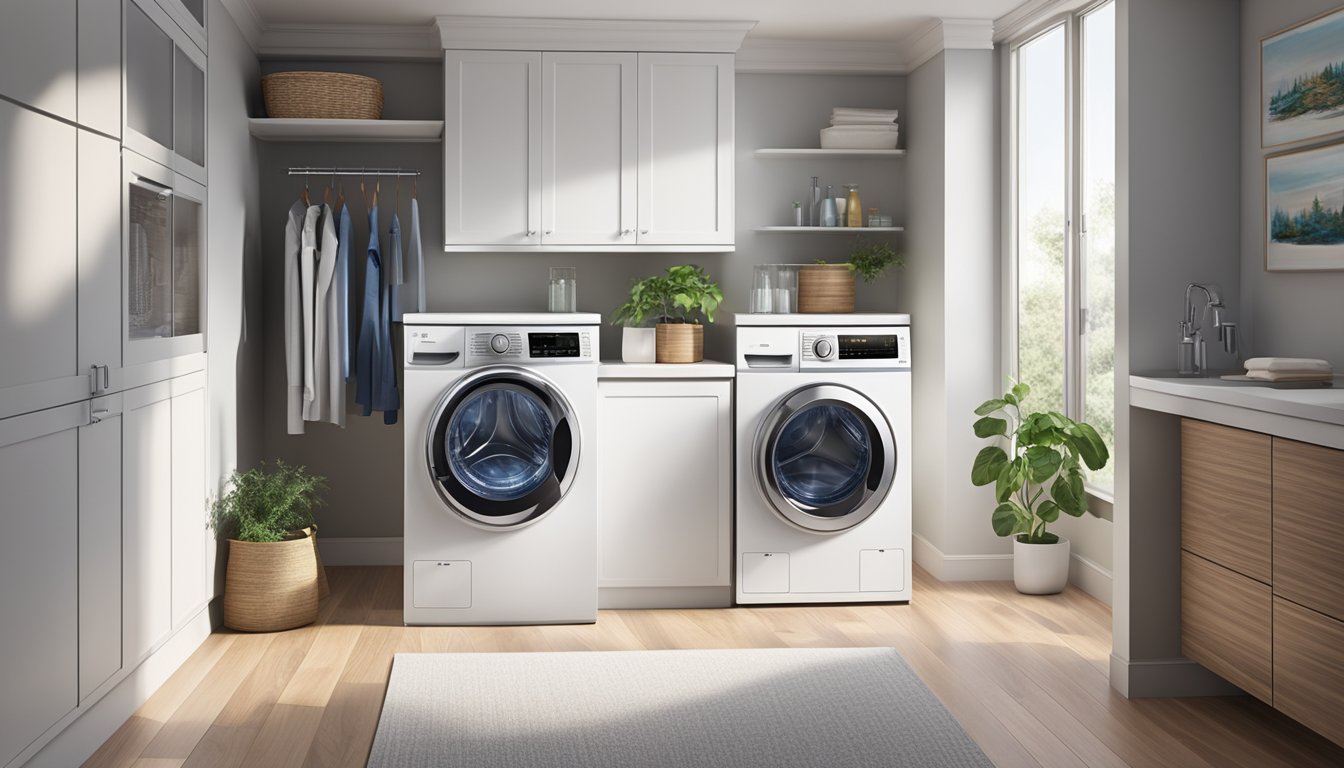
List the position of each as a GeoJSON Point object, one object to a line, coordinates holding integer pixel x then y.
{"type": "Point", "coordinates": [491, 148]}
{"type": "Point", "coordinates": [99, 244]}
{"type": "Point", "coordinates": [38, 44]}
{"type": "Point", "coordinates": [100, 65]}
{"type": "Point", "coordinates": [588, 148]}
{"type": "Point", "coordinates": [685, 149]}
{"type": "Point", "coordinates": [165, 91]}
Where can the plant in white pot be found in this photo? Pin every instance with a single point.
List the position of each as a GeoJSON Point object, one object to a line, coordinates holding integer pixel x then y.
{"type": "Point", "coordinates": [677, 300]}
{"type": "Point", "coordinates": [645, 302]}
{"type": "Point", "coordinates": [1037, 477]}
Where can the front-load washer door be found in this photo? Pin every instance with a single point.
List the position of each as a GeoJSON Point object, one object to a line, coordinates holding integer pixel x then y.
{"type": "Point", "coordinates": [825, 458]}
{"type": "Point", "coordinates": [502, 447]}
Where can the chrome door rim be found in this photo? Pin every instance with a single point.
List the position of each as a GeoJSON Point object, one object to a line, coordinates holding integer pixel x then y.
{"type": "Point", "coordinates": [873, 491]}
{"type": "Point", "coordinates": [551, 492]}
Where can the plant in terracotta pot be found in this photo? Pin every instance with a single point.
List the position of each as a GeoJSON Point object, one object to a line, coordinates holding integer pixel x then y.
{"type": "Point", "coordinates": [824, 287]}
{"type": "Point", "coordinates": [645, 303]}
{"type": "Point", "coordinates": [680, 298]}
{"type": "Point", "coordinates": [1038, 476]}
{"type": "Point", "coordinates": [274, 577]}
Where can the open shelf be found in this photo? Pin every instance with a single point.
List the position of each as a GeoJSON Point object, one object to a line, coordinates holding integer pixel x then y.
{"type": "Point", "coordinates": [830, 230]}
{"type": "Point", "coordinates": [800, 154]}
{"type": "Point", "coordinates": [302, 129]}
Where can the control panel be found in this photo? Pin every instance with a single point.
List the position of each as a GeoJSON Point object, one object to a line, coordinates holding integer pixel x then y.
{"type": "Point", "coordinates": [877, 348]}
{"type": "Point", "coordinates": [551, 344]}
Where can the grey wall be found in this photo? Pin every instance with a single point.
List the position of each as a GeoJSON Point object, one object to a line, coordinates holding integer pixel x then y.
{"type": "Point", "coordinates": [234, 327]}
{"type": "Point", "coordinates": [1178, 141]}
{"type": "Point", "coordinates": [363, 462]}
{"type": "Point", "coordinates": [1291, 314]}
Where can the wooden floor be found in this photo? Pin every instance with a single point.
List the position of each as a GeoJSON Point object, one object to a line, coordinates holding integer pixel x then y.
{"type": "Point", "coordinates": [1025, 676]}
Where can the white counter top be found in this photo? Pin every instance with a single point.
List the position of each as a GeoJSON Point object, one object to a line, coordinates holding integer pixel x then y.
{"type": "Point", "coordinates": [705, 369]}
{"type": "Point", "coordinates": [1312, 415]}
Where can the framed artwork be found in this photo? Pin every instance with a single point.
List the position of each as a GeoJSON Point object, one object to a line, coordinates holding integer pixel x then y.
{"type": "Point", "coordinates": [1304, 210]}
{"type": "Point", "coordinates": [1302, 81]}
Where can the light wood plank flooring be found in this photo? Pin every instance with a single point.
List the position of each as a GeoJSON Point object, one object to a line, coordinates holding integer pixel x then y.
{"type": "Point", "coordinates": [1025, 676]}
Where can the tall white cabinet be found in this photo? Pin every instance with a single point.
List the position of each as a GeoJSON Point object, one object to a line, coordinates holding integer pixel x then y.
{"type": "Point", "coordinates": [587, 150]}
{"type": "Point", "coordinates": [102, 391]}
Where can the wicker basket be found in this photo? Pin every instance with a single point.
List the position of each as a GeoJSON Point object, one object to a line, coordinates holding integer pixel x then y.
{"type": "Point", "coordinates": [825, 288]}
{"type": "Point", "coordinates": [679, 342]}
{"type": "Point", "coordinates": [322, 95]}
{"type": "Point", "coordinates": [270, 586]}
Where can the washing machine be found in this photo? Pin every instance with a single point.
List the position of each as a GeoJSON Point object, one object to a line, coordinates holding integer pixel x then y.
{"type": "Point", "coordinates": [823, 458]}
{"type": "Point", "coordinates": [500, 483]}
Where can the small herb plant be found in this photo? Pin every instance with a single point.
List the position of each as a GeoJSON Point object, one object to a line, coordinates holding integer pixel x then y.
{"type": "Point", "coordinates": [1039, 475]}
{"type": "Point", "coordinates": [266, 505]}
{"type": "Point", "coordinates": [869, 260]}
{"type": "Point", "coordinates": [681, 295]}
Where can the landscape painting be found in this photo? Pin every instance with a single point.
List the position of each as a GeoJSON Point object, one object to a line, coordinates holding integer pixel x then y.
{"type": "Point", "coordinates": [1302, 81]}
{"type": "Point", "coordinates": [1304, 210]}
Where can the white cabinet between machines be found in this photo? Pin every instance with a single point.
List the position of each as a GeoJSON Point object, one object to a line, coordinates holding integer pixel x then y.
{"type": "Point", "coordinates": [665, 502]}
{"type": "Point", "coordinates": [601, 150]}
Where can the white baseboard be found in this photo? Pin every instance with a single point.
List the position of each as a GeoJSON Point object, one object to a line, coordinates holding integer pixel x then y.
{"type": "Point", "coordinates": [664, 597]}
{"type": "Point", "coordinates": [360, 551]}
{"type": "Point", "coordinates": [961, 567]}
{"type": "Point", "coordinates": [83, 736]}
{"type": "Point", "coordinates": [1090, 577]}
{"type": "Point", "coordinates": [1160, 678]}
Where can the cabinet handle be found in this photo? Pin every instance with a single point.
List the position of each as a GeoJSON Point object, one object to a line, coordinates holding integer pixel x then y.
{"type": "Point", "coordinates": [93, 379]}
{"type": "Point", "coordinates": [531, 232]}
{"type": "Point", "coordinates": [643, 231]}
{"type": "Point", "coordinates": [106, 381]}
{"type": "Point", "coordinates": [99, 415]}
{"type": "Point", "coordinates": [626, 231]}
{"type": "Point", "coordinates": [549, 231]}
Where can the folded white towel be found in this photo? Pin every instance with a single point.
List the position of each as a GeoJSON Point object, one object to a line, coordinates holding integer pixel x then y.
{"type": "Point", "coordinates": [860, 120]}
{"type": "Point", "coordinates": [889, 114]}
{"type": "Point", "coordinates": [1290, 375]}
{"type": "Point", "coordinates": [1292, 364]}
{"type": "Point", "coordinates": [864, 128]}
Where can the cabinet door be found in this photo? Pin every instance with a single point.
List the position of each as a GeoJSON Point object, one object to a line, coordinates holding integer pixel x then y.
{"type": "Point", "coordinates": [100, 445]}
{"type": "Point", "coordinates": [99, 243]}
{"type": "Point", "coordinates": [492, 148]}
{"type": "Point", "coordinates": [39, 456]}
{"type": "Point", "coordinates": [589, 148]}
{"type": "Point", "coordinates": [100, 65]}
{"type": "Point", "coordinates": [189, 112]}
{"type": "Point", "coordinates": [1225, 496]}
{"type": "Point", "coordinates": [147, 519]}
{"type": "Point", "coordinates": [685, 149]}
{"type": "Point", "coordinates": [1309, 668]}
{"type": "Point", "coordinates": [1225, 624]}
{"type": "Point", "coordinates": [1309, 525]}
{"type": "Point", "coordinates": [665, 515]}
{"type": "Point", "coordinates": [38, 282]}
{"type": "Point", "coordinates": [190, 522]}
{"type": "Point", "coordinates": [38, 42]}
{"type": "Point", "coordinates": [149, 81]}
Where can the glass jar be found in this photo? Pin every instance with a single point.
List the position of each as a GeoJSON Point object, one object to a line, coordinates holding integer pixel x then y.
{"type": "Point", "coordinates": [874, 220]}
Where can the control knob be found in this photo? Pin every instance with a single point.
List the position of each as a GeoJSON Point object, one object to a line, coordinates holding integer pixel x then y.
{"type": "Point", "coordinates": [823, 349]}
{"type": "Point", "coordinates": [499, 343]}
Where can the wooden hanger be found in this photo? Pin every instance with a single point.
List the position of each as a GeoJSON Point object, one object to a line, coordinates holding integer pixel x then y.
{"type": "Point", "coordinates": [377, 187]}
{"type": "Point", "coordinates": [326, 193]}
{"type": "Point", "coordinates": [305, 192]}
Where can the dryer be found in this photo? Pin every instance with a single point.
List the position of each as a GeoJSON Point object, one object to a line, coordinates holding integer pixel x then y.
{"type": "Point", "coordinates": [500, 483]}
{"type": "Point", "coordinates": [823, 458]}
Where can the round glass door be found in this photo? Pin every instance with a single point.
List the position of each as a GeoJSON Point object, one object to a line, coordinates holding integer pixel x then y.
{"type": "Point", "coordinates": [501, 448]}
{"type": "Point", "coordinates": [826, 458]}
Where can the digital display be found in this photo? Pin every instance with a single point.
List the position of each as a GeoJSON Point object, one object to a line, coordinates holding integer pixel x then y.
{"type": "Point", "coordinates": [875, 347]}
{"type": "Point", "coordinates": [553, 344]}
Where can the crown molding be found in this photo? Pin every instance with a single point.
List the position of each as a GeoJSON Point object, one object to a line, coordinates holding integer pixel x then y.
{"type": "Point", "coordinates": [825, 57]}
{"type": "Point", "coordinates": [350, 41]}
{"type": "Point", "coordinates": [246, 18]}
{"type": "Point", "coordinates": [1030, 14]}
{"type": "Point", "coordinates": [950, 34]}
{"type": "Point", "coordinates": [536, 34]}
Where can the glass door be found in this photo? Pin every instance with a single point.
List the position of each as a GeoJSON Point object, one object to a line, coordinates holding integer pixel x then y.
{"type": "Point", "coordinates": [164, 252]}
{"type": "Point", "coordinates": [164, 89]}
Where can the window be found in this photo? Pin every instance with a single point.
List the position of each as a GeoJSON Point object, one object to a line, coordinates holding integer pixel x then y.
{"type": "Point", "coordinates": [1062, 306]}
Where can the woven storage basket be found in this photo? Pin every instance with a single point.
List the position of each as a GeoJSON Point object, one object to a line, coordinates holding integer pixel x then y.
{"type": "Point", "coordinates": [825, 288]}
{"type": "Point", "coordinates": [322, 95]}
{"type": "Point", "coordinates": [270, 586]}
{"type": "Point", "coordinates": [679, 342]}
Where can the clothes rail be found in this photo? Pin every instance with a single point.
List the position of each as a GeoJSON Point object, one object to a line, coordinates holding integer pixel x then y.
{"type": "Point", "coordinates": [309, 171]}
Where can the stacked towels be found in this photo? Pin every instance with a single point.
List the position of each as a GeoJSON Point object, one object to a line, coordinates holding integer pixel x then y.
{"type": "Point", "coordinates": [858, 128]}
{"type": "Point", "coordinates": [1289, 369]}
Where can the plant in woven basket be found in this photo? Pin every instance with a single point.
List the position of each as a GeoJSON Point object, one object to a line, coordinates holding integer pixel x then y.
{"type": "Point", "coordinates": [268, 504]}
{"type": "Point", "coordinates": [870, 259]}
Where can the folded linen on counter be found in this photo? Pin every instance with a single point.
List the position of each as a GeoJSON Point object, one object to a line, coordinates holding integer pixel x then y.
{"type": "Point", "coordinates": [1289, 364]}
{"type": "Point", "coordinates": [1261, 375]}
{"type": "Point", "coordinates": [888, 115]}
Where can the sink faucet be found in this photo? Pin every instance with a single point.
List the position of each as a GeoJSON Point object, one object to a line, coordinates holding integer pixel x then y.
{"type": "Point", "coordinates": [1191, 357]}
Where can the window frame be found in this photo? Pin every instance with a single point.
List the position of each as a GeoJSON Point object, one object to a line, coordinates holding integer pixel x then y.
{"type": "Point", "coordinates": [1075, 225]}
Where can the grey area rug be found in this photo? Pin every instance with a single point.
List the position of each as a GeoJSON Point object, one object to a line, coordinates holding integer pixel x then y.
{"type": "Point", "coordinates": [720, 708]}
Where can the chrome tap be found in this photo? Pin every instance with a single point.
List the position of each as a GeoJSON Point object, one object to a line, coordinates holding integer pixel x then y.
{"type": "Point", "coordinates": [1191, 356]}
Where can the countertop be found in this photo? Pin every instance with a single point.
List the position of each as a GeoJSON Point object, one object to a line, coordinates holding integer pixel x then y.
{"type": "Point", "coordinates": [705, 369]}
{"type": "Point", "coordinates": [1311, 415]}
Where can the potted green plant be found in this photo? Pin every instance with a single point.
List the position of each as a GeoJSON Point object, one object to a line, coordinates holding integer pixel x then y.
{"type": "Point", "coordinates": [274, 577]}
{"type": "Point", "coordinates": [677, 300]}
{"type": "Point", "coordinates": [829, 288]}
{"type": "Point", "coordinates": [1036, 477]}
{"type": "Point", "coordinates": [638, 342]}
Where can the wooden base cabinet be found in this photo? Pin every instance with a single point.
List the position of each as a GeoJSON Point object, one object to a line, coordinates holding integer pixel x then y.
{"type": "Point", "coordinates": [1309, 668]}
{"type": "Point", "coordinates": [1225, 624]}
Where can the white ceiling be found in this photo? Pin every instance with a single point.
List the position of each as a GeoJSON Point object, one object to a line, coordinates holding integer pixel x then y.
{"type": "Point", "coordinates": [858, 20]}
